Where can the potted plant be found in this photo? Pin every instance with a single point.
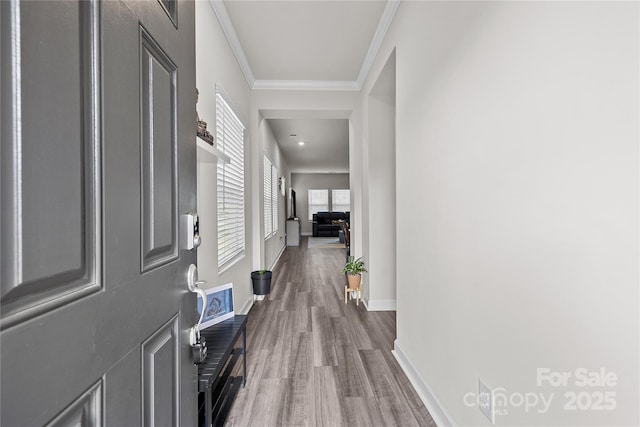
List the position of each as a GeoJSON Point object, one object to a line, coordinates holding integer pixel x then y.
{"type": "Point", "coordinates": [261, 282]}
{"type": "Point", "coordinates": [354, 269]}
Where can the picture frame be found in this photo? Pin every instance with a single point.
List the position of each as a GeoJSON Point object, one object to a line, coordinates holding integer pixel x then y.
{"type": "Point", "coordinates": [219, 305]}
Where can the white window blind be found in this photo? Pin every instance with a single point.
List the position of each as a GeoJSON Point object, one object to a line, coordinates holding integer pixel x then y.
{"type": "Point", "coordinates": [274, 195]}
{"type": "Point", "coordinates": [268, 198]}
{"type": "Point", "coordinates": [340, 200]}
{"type": "Point", "coordinates": [318, 202]}
{"type": "Point", "coordinates": [230, 140]}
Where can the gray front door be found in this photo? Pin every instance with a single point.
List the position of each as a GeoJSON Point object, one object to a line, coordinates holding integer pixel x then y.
{"type": "Point", "coordinates": [97, 167]}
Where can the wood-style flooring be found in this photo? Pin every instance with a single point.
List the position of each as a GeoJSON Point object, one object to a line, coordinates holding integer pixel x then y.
{"type": "Point", "coordinates": [313, 360]}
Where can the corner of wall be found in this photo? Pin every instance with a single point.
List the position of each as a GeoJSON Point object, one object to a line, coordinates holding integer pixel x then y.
{"type": "Point", "coordinates": [425, 391]}
{"type": "Point", "coordinates": [247, 305]}
{"type": "Point", "coordinates": [379, 305]}
{"type": "Point", "coordinates": [275, 261]}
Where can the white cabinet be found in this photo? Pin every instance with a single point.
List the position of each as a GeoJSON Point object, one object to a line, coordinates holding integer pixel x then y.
{"type": "Point", "coordinates": [293, 232]}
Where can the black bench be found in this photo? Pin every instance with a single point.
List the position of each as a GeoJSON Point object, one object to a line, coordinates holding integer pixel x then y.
{"type": "Point", "coordinates": [217, 388]}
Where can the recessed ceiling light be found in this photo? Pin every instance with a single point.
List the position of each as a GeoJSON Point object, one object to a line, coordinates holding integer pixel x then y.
{"type": "Point", "coordinates": [301, 143]}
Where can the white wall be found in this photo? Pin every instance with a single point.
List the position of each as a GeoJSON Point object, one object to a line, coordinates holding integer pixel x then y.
{"type": "Point", "coordinates": [303, 182]}
{"type": "Point", "coordinates": [517, 202]}
{"type": "Point", "coordinates": [216, 64]}
{"type": "Point", "coordinates": [380, 252]}
{"type": "Point", "coordinates": [274, 245]}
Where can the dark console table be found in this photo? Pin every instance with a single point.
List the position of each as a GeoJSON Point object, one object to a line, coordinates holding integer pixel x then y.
{"type": "Point", "coordinates": [217, 388]}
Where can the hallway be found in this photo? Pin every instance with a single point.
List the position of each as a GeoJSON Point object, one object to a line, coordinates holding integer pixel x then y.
{"type": "Point", "coordinates": [314, 361]}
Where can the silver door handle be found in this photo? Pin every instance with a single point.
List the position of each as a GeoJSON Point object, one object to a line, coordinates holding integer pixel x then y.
{"type": "Point", "coordinates": [192, 283]}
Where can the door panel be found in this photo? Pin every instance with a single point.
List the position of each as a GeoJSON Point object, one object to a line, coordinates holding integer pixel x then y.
{"type": "Point", "coordinates": [160, 376]}
{"type": "Point", "coordinates": [52, 207]}
{"type": "Point", "coordinates": [86, 410]}
{"type": "Point", "coordinates": [159, 147]}
{"type": "Point", "coordinates": [170, 7]}
{"type": "Point", "coordinates": [98, 162]}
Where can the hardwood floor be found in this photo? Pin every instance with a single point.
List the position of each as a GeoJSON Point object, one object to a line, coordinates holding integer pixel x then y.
{"type": "Point", "coordinates": [314, 360]}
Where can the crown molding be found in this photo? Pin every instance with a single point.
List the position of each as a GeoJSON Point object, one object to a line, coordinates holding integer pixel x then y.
{"type": "Point", "coordinates": [220, 10]}
{"type": "Point", "coordinates": [388, 14]}
{"type": "Point", "coordinates": [305, 85]}
{"type": "Point", "coordinates": [383, 26]}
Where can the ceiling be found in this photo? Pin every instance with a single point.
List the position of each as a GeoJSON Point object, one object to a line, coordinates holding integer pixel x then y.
{"type": "Point", "coordinates": [307, 44]}
{"type": "Point", "coordinates": [326, 144]}
{"type": "Point", "coordinates": [305, 40]}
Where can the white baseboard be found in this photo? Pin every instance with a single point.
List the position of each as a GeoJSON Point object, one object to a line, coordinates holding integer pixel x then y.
{"type": "Point", "coordinates": [247, 305]}
{"type": "Point", "coordinates": [437, 411]}
{"type": "Point", "coordinates": [380, 305]}
{"type": "Point", "coordinates": [278, 257]}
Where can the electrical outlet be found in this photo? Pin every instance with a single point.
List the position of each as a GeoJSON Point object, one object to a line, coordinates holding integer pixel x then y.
{"type": "Point", "coordinates": [486, 401]}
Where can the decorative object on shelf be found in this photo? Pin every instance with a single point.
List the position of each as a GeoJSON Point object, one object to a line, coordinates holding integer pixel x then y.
{"type": "Point", "coordinates": [201, 129]}
{"type": "Point", "coordinates": [261, 280]}
{"type": "Point", "coordinates": [354, 269]}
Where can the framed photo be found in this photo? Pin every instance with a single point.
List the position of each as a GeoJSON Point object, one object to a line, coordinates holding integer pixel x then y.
{"type": "Point", "coordinates": [219, 307]}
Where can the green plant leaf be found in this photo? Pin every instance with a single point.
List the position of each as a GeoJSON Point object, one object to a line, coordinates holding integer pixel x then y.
{"type": "Point", "coordinates": [354, 266]}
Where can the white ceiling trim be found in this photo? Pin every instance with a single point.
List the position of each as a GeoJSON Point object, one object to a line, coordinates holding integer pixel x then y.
{"type": "Point", "coordinates": [227, 26]}
{"type": "Point", "coordinates": [305, 85]}
{"type": "Point", "coordinates": [383, 26]}
{"type": "Point", "coordinates": [220, 10]}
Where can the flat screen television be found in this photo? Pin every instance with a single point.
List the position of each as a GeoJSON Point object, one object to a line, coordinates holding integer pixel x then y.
{"type": "Point", "coordinates": [292, 203]}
